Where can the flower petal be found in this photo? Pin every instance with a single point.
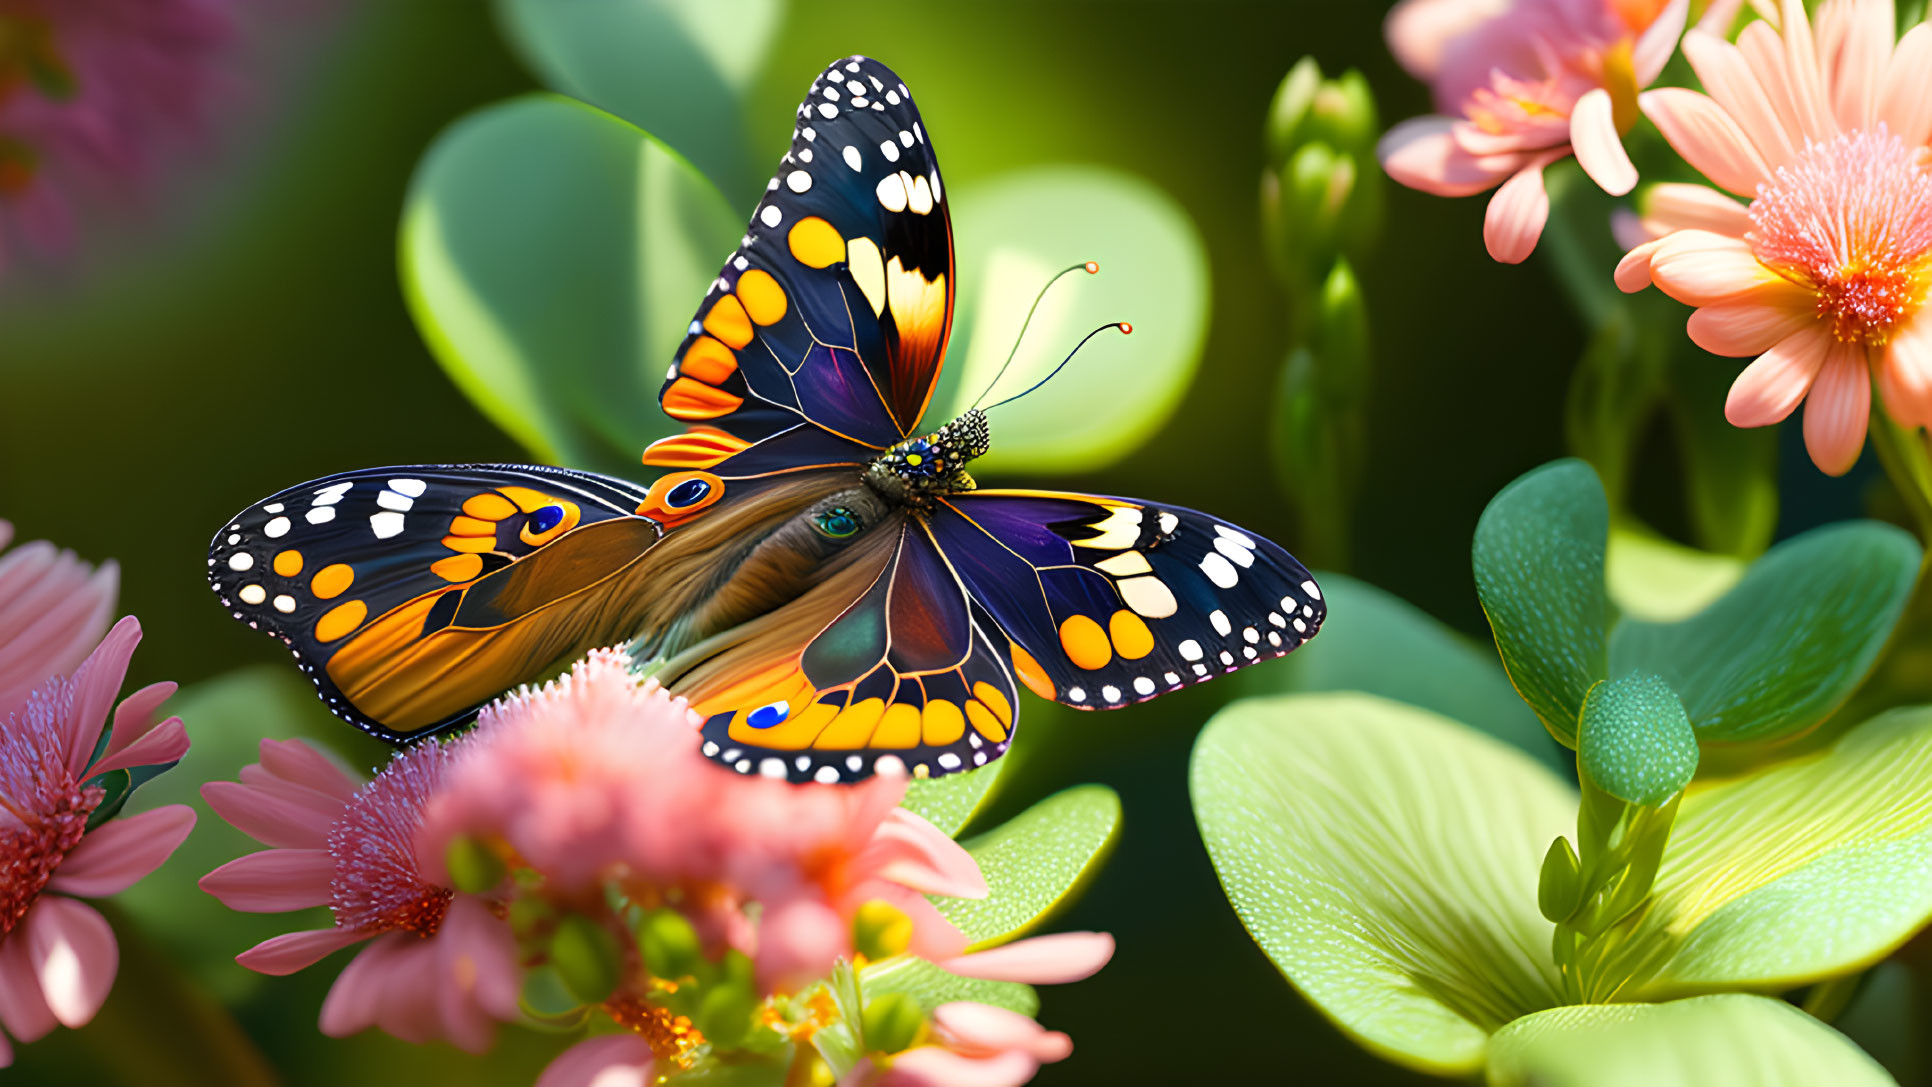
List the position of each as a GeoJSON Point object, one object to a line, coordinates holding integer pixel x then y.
{"type": "Point", "coordinates": [54, 608]}
{"type": "Point", "coordinates": [1659, 41]}
{"type": "Point", "coordinates": [1838, 409]}
{"type": "Point", "coordinates": [1743, 329]}
{"type": "Point", "coordinates": [1700, 268]}
{"type": "Point", "coordinates": [477, 962]}
{"type": "Point", "coordinates": [1516, 214]}
{"type": "Point", "coordinates": [1699, 129]}
{"type": "Point", "coordinates": [74, 957]}
{"type": "Point", "coordinates": [1763, 53]}
{"type": "Point", "coordinates": [1422, 153]}
{"type": "Point", "coordinates": [164, 744]}
{"type": "Point", "coordinates": [273, 881]}
{"type": "Point", "coordinates": [135, 716]}
{"type": "Point", "coordinates": [1727, 78]}
{"type": "Point", "coordinates": [1903, 103]}
{"type": "Point", "coordinates": [1673, 205]}
{"type": "Point", "coordinates": [612, 1060]}
{"type": "Point", "coordinates": [1808, 92]}
{"type": "Point", "coordinates": [292, 951]}
{"type": "Point", "coordinates": [299, 763]}
{"type": "Point", "coordinates": [117, 854]}
{"type": "Point", "coordinates": [971, 1026]}
{"type": "Point", "coordinates": [96, 683]}
{"type": "Point", "coordinates": [1599, 149]}
{"type": "Point", "coordinates": [936, 1066]}
{"type": "Point", "coordinates": [908, 850]}
{"type": "Point", "coordinates": [1857, 70]}
{"type": "Point", "coordinates": [1771, 387]}
{"type": "Point", "coordinates": [1905, 373]}
{"type": "Point", "coordinates": [1058, 959]}
{"type": "Point", "coordinates": [1633, 271]}
{"type": "Point", "coordinates": [23, 1008]}
{"type": "Point", "coordinates": [1417, 31]}
{"type": "Point", "coordinates": [267, 818]}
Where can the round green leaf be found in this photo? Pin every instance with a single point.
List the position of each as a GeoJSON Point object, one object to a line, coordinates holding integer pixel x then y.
{"type": "Point", "coordinates": [1815, 867]}
{"type": "Point", "coordinates": [552, 256]}
{"type": "Point", "coordinates": [931, 986]}
{"type": "Point", "coordinates": [1634, 740]}
{"type": "Point", "coordinates": [1732, 1038]}
{"type": "Point", "coordinates": [950, 802]}
{"type": "Point", "coordinates": [1538, 559]}
{"type": "Point", "coordinates": [1033, 863]}
{"type": "Point", "coordinates": [1650, 577]}
{"type": "Point", "coordinates": [678, 69]}
{"type": "Point", "coordinates": [1377, 643]}
{"type": "Point", "coordinates": [1386, 860]}
{"type": "Point", "coordinates": [1013, 235]}
{"type": "Point", "coordinates": [1781, 650]}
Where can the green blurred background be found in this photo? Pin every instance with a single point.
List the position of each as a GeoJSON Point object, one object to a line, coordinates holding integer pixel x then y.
{"type": "Point", "coordinates": [246, 332]}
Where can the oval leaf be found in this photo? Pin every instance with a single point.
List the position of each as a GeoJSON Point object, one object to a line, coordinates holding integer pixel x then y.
{"type": "Point", "coordinates": [552, 256]}
{"type": "Point", "coordinates": [1033, 863]}
{"type": "Point", "coordinates": [1386, 859]}
{"type": "Point", "coordinates": [1732, 1038]}
{"type": "Point", "coordinates": [931, 986]}
{"type": "Point", "coordinates": [1650, 577]}
{"type": "Point", "coordinates": [950, 802]}
{"type": "Point", "coordinates": [1013, 235]}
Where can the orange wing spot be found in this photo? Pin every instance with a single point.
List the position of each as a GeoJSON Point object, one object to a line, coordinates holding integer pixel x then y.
{"type": "Point", "coordinates": [488, 507]}
{"type": "Point", "coordinates": [709, 361]}
{"type": "Point", "coordinates": [527, 500]}
{"type": "Point", "coordinates": [1086, 644]}
{"type": "Point", "coordinates": [657, 501]}
{"type": "Point", "coordinates": [1031, 674]}
{"type": "Point", "coordinates": [728, 321]}
{"type": "Point", "coordinates": [689, 398]}
{"type": "Point", "coordinates": [899, 727]}
{"type": "Point", "coordinates": [852, 728]}
{"type": "Point", "coordinates": [698, 449]}
{"type": "Point", "coordinates": [458, 567]}
{"type": "Point", "coordinates": [332, 581]}
{"type": "Point", "coordinates": [1132, 640]}
{"type": "Point", "coordinates": [816, 243]}
{"type": "Point", "coordinates": [995, 700]}
{"type": "Point", "coordinates": [942, 723]}
{"type": "Point", "coordinates": [470, 526]}
{"type": "Point", "coordinates": [288, 563]}
{"type": "Point", "coordinates": [984, 722]}
{"type": "Point", "coordinates": [764, 299]}
{"type": "Point", "coordinates": [474, 545]}
{"type": "Point", "coordinates": [570, 518]}
{"type": "Point", "coordinates": [340, 620]}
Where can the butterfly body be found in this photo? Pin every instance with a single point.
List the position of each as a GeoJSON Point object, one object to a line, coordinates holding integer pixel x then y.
{"type": "Point", "coordinates": [815, 571]}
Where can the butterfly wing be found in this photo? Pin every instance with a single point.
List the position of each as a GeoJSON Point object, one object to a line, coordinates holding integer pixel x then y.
{"type": "Point", "coordinates": [412, 595]}
{"type": "Point", "coordinates": [835, 309]}
{"type": "Point", "coordinates": [1105, 601]}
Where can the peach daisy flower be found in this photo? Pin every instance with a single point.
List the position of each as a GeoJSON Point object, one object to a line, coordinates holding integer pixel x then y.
{"type": "Point", "coordinates": [57, 955]}
{"type": "Point", "coordinates": [438, 965]}
{"type": "Point", "coordinates": [1823, 275]}
{"type": "Point", "coordinates": [1533, 83]}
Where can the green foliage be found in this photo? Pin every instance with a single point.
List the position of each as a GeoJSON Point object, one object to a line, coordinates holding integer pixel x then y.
{"type": "Point", "coordinates": [1034, 863]}
{"type": "Point", "coordinates": [950, 802]}
{"type": "Point", "coordinates": [1321, 194]}
{"type": "Point", "coordinates": [931, 986]}
{"type": "Point", "coordinates": [1634, 740]}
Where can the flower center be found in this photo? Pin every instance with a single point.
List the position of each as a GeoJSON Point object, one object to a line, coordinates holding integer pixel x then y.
{"type": "Point", "coordinates": [670, 1036]}
{"type": "Point", "coordinates": [1851, 221]}
{"type": "Point", "coordinates": [378, 887]}
{"type": "Point", "coordinates": [43, 810]}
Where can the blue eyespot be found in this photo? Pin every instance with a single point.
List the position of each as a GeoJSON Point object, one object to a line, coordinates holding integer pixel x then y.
{"type": "Point", "coordinates": [688, 493]}
{"type": "Point", "coordinates": [768, 716]}
{"type": "Point", "coordinates": [545, 519]}
{"type": "Point", "coordinates": [838, 522]}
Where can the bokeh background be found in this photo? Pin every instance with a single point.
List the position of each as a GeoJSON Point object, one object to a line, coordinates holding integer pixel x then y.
{"type": "Point", "coordinates": [243, 330]}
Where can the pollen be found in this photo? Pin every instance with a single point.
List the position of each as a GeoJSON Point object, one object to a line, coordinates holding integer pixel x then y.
{"type": "Point", "coordinates": [1851, 221]}
{"type": "Point", "coordinates": [671, 1037]}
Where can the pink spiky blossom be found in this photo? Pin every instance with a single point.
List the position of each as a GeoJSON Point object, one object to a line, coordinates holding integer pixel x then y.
{"type": "Point", "coordinates": [1823, 275]}
{"type": "Point", "coordinates": [1520, 86]}
{"type": "Point", "coordinates": [57, 955]}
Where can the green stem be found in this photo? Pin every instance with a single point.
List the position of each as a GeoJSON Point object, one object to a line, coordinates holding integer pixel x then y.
{"type": "Point", "coordinates": [1908, 463]}
{"type": "Point", "coordinates": [1827, 999]}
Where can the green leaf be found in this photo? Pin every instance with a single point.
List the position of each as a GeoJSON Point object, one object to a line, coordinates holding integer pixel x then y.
{"type": "Point", "coordinates": [1013, 234]}
{"type": "Point", "coordinates": [1779, 652]}
{"type": "Point", "coordinates": [950, 802]}
{"type": "Point", "coordinates": [1386, 860]}
{"type": "Point", "coordinates": [1650, 577]}
{"type": "Point", "coordinates": [1034, 862]}
{"type": "Point", "coordinates": [1811, 868]}
{"type": "Point", "coordinates": [931, 986]}
{"type": "Point", "coordinates": [1634, 741]}
{"type": "Point", "coordinates": [1731, 1038]}
{"type": "Point", "coordinates": [1376, 642]}
{"type": "Point", "coordinates": [552, 256]}
{"type": "Point", "coordinates": [1538, 560]}
{"type": "Point", "coordinates": [678, 69]}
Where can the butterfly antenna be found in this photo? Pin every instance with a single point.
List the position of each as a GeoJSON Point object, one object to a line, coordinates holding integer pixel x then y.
{"type": "Point", "coordinates": [1090, 267]}
{"type": "Point", "coordinates": [1125, 330]}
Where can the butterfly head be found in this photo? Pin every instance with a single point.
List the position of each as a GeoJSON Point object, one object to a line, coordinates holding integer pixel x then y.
{"type": "Point", "coordinates": [917, 468]}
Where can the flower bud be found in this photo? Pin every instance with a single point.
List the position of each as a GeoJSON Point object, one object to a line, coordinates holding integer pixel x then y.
{"type": "Point", "coordinates": [880, 930]}
{"type": "Point", "coordinates": [1560, 885]}
{"type": "Point", "coordinates": [1634, 740]}
{"type": "Point", "coordinates": [1340, 339]}
{"type": "Point", "coordinates": [1308, 109]}
{"type": "Point", "coordinates": [668, 944]}
{"type": "Point", "coordinates": [725, 1014]}
{"type": "Point", "coordinates": [473, 867]}
{"type": "Point", "coordinates": [1321, 195]}
{"type": "Point", "coordinates": [892, 1022]}
{"type": "Point", "coordinates": [585, 956]}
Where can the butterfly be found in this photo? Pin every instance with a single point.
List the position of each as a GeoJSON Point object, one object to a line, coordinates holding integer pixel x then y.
{"type": "Point", "coordinates": [815, 571]}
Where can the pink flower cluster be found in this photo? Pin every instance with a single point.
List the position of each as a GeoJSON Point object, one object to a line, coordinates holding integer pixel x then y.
{"type": "Point", "coordinates": [583, 793]}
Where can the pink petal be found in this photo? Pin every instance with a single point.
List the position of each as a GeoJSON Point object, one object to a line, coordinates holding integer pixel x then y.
{"type": "Point", "coordinates": [1422, 153]}
{"type": "Point", "coordinates": [299, 763]}
{"type": "Point", "coordinates": [115, 855]}
{"type": "Point", "coordinates": [477, 961]}
{"type": "Point", "coordinates": [23, 1009]}
{"type": "Point", "coordinates": [1673, 205]}
{"type": "Point", "coordinates": [136, 715]}
{"type": "Point", "coordinates": [1707, 137]}
{"type": "Point", "coordinates": [1763, 53]}
{"type": "Point", "coordinates": [798, 941]}
{"type": "Point", "coordinates": [165, 744]}
{"type": "Point", "coordinates": [1599, 149]}
{"type": "Point", "coordinates": [1659, 41]}
{"type": "Point", "coordinates": [1042, 960]}
{"type": "Point", "coordinates": [908, 850]}
{"type": "Point", "coordinates": [1700, 268]}
{"type": "Point", "coordinates": [406, 1004]}
{"type": "Point", "coordinates": [1417, 31]}
{"type": "Point", "coordinates": [1838, 409]}
{"type": "Point", "coordinates": [53, 610]}
{"type": "Point", "coordinates": [267, 818]}
{"type": "Point", "coordinates": [1741, 329]}
{"type": "Point", "coordinates": [1905, 373]}
{"type": "Point", "coordinates": [96, 683]}
{"type": "Point", "coordinates": [1771, 387]}
{"type": "Point", "coordinates": [613, 1060]}
{"type": "Point", "coordinates": [6, 1047]}
{"type": "Point", "coordinates": [273, 881]}
{"type": "Point", "coordinates": [1727, 78]}
{"type": "Point", "coordinates": [935, 1066]}
{"type": "Point", "coordinates": [74, 957]}
{"type": "Point", "coordinates": [1633, 271]}
{"type": "Point", "coordinates": [971, 1026]}
{"type": "Point", "coordinates": [1808, 93]}
{"type": "Point", "coordinates": [355, 1000]}
{"type": "Point", "coordinates": [287, 953]}
{"type": "Point", "coordinates": [1516, 214]}
{"type": "Point", "coordinates": [1858, 66]}
{"type": "Point", "coordinates": [1903, 103]}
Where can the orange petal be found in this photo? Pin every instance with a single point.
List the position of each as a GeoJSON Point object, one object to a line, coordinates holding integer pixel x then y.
{"type": "Point", "coordinates": [1769, 388]}
{"type": "Point", "coordinates": [1516, 215]}
{"type": "Point", "coordinates": [1903, 103]}
{"type": "Point", "coordinates": [1700, 268]}
{"type": "Point", "coordinates": [1728, 79]}
{"type": "Point", "coordinates": [1633, 271]}
{"type": "Point", "coordinates": [1741, 329]}
{"type": "Point", "coordinates": [1905, 373]}
{"type": "Point", "coordinates": [1707, 137]}
{"type": "Point", "coordinates": [1673, 205]}
{"type": "Point", "coordinates": [1599, 150]}
{"type": "Point", "coordinates": [1838, 408]}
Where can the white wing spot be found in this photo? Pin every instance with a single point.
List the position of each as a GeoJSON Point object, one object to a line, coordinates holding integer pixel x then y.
{"type": "Point", "coordinates": [1190, 649]}
{"type": "Point", "coordinates": [320, 515]}
{"type": "Point", "coordinates": [1143, 685]}
{"type": "Point", "coordinates": [1241, 556]}
{"type": "Point", "coordinates": [285, 603]}
{"type": "Point", "coordinates": [948, 760]}
{"type": "Point", "coordinates": [771, 215]}
{"type": "Point", "coordinates": [1110, 692]}
{"type": "Point", "coordinates": [892, 191]}
{"type": "Point", "coordinates": [827, 110]}
{"type": "Point", "coordinates": [1220, 620]}
{"type": "Point", "coordinates": [252, 594]}
{"type": "Point", "coordinates": [241, 560]}
{"type": "Point", "coordinates": [852, 158]}
{"type": "Point", "coordinates": [414, 488]}
{"type": "Point", "coordinates": [390, 500]}
{"type": "Point", "coordinates": [772, 768]}
{"type": "Point", "coordinates": [386, 524]}
{"type": "Point", "coordinates": [1076, 694]}
{"type": "Point", "coordinates": [1219, 570]}
{"type": "Point", "coordinates": [798, 181]}
{"type": "Point", "coordinates": [275, 528]}
{"type": "Point", "coordinates": [889, 150]}
{"type": "Point", "coordinates": [1310, 588]}
{"type": "Point", "coordinates": [827, 775]}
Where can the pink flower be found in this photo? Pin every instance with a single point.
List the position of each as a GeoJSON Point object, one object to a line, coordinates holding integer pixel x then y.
{"type": "Point", "coordinates": [1824, 274]}
{"type": "Point", "coordinates": [438, 964]}
{"type": "Point", "coordinates": [609, 1060]}
{"type": "Point", "coordinates": [1537, 81]}
{"type": "Point", "coordinates": [90, 94]}
{"type": "Point", "coordinates": [53, 610]}
{"type": "Point", "coordinates": [58, 956]}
